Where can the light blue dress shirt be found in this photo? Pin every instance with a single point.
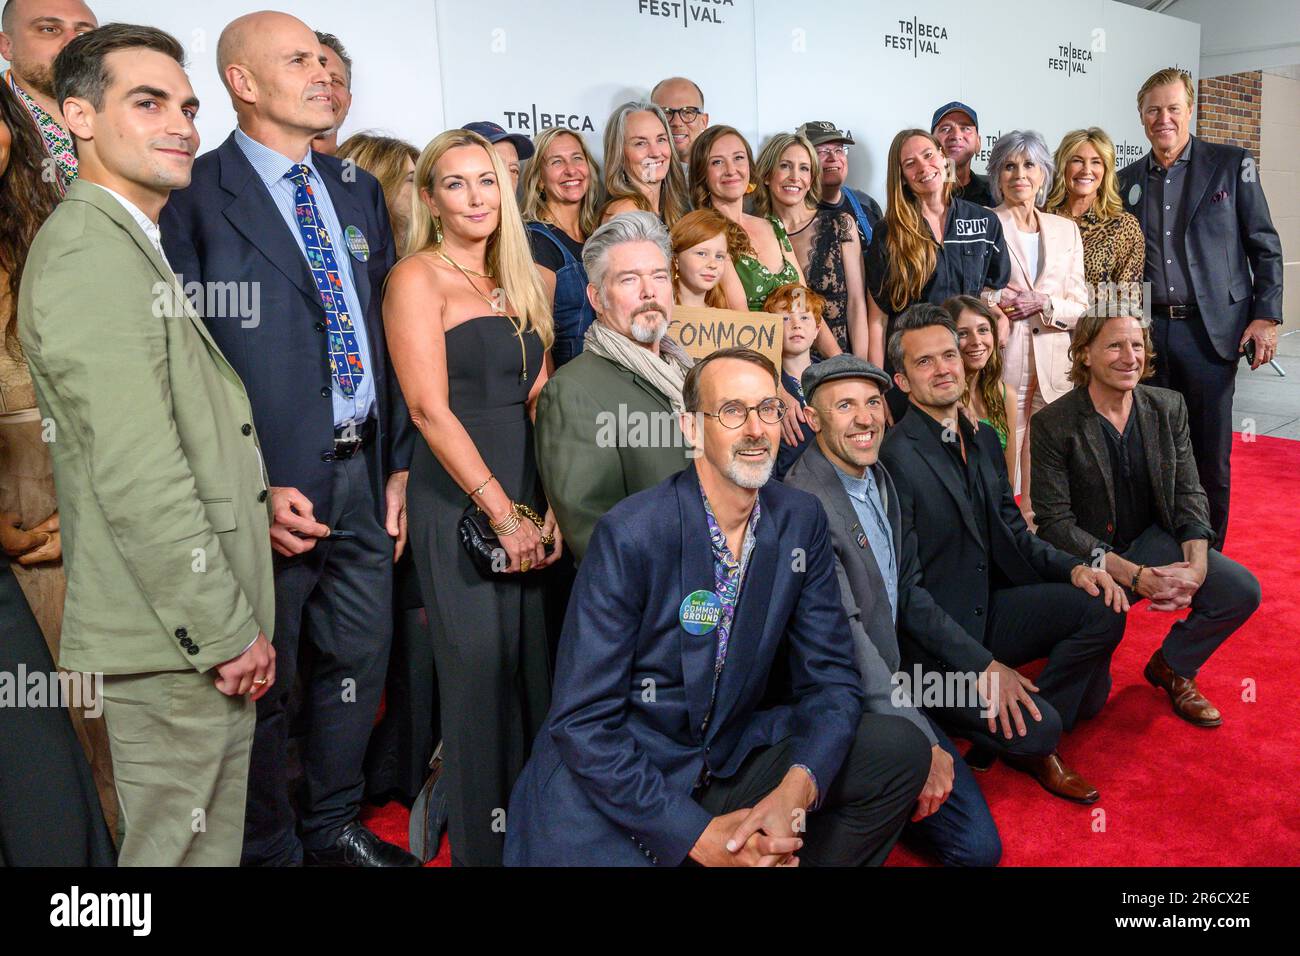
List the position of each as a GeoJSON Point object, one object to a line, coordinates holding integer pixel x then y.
{"type": "Point", "coordinates": [864, 494]}
{"type": "Point", "coordinates": [271, 168]}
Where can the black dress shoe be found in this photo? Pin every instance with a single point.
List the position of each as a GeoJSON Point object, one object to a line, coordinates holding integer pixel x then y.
{"type": "Point", "coordinates": [357, 846]}
{"type": "Point", "coordinates": [980, 757]}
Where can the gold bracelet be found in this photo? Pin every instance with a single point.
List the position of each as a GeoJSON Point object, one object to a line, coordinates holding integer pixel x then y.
{"type": "Point", "coordinates": [508, 525]}
{"type": "Point", "coordinates": [479, 489]}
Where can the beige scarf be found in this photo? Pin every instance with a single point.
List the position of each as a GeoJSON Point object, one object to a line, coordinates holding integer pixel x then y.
{"type": "Point", "coordinates": [666, 372]}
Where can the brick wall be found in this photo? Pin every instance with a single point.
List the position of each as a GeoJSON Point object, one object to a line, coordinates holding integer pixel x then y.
{"type": "Point", "coordinates": [1228, 110]}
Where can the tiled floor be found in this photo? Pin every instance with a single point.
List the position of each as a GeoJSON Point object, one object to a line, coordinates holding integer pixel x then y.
{"type": "Point", "coordinates": [1266, 402]}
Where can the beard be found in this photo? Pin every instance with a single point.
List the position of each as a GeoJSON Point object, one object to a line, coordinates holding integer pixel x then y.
{"type": "Point", "coordinates": [648, 334]}
{"type": "Point", "coordinates": [750, 474]}
{"type": "Point", "coordinates": [38, 77]}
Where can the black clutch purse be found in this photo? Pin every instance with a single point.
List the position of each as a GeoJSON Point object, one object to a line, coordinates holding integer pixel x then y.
{"type": "Point", "coordinates": [484, 547]}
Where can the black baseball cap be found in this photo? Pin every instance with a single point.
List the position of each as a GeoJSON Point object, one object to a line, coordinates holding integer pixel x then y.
{"type": "Point", "coordinates": [821, 131]}
{"type": "Point", "coordinates": [947, 108]}
{"type": "Point", "coordinates": [844, 365]}
{"type": "Point", "coordinates": [494, 133]}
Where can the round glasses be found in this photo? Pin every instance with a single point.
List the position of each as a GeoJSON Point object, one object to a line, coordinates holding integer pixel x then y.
{"type": "Point", "coordinates": [734, 414]}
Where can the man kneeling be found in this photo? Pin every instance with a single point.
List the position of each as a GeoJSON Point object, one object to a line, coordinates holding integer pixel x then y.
{"type": "Point", "coordinates": [1113, 460]}
{"type": "Point", "coordinates": [662, 742]}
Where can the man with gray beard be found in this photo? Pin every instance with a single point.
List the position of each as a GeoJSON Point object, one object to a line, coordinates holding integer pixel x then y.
{"type": "Point", "coordinates": [699, 597]}
{"type": "Point", "coordinates": [607, 420]}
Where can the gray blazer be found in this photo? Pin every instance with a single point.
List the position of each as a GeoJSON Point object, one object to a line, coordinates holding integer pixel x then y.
{"type": "Point", "coordinates": [1074, 492]}
{"type": "Point", "coordinates": [862, 589]}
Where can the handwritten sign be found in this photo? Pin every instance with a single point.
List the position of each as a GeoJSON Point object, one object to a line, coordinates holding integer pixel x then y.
{"type": "Point", "coordinates": [701, 330]}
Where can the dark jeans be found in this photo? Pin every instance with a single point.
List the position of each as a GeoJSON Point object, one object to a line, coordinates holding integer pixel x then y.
{"type": "Point", "coordinates": [961, 832]}
{"type": "Point", "coordinates": [862, 811]}
{"type": "Point", "coordinates": [335, 601]}
{"type": "Point", "coordinates": [1187, 362]}
{"type": "Point", "coordinates": [1077, 634]}
{"type": "Point", "coordinates": [1224, 601]}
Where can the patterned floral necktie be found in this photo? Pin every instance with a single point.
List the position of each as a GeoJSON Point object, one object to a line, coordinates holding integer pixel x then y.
{"type": "Point", "coordinates": [344, 352]}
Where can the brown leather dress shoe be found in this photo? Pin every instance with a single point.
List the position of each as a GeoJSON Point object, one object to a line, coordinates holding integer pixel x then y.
{"type": "Point", "coordinates": [1188, 702]}
{"type": "Point", "coordinates": [1055, 777]}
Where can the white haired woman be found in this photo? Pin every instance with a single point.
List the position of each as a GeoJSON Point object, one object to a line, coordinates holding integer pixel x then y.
{"type": "Point", "coordinates": [1046, 294]}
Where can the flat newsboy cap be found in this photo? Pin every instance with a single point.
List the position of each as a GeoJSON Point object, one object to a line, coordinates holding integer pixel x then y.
{"type": "Point", "coordinates": [841, 366]}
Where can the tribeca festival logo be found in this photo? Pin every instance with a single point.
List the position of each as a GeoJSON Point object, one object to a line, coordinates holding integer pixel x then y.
{"type": "Point", "coordinates": [917, 37]}
{"type": "Point", "coordinates": [60, 689]}
{"type": "Point", "coordinates": [532, 120]}
{"type": "Point", "coordinates": [1070, 59]}
{"type": "Point", "coordinates": [687, 11]}
{"type": "Point", "coordinates": [75, 908]}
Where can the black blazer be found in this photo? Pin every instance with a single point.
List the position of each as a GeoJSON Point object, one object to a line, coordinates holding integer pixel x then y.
{"type": "Point", "coordinates": [1234, 256]}
{"type": "Point", "coordinates": [947, 559]}
{"type": "Point", "coordinates": [1074, 492]}
{"type": "Point", "coordinates": [225, 228]}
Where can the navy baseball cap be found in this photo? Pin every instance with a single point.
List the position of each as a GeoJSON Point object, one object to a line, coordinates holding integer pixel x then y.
{"type": "Point", "coordinates": [495, 133]}
{"type": "Point", "coordinates": [844, 365]}
{"type": "Point", "coordinates": [947, 108]}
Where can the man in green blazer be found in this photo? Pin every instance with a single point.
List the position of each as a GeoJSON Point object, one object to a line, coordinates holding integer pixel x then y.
{"type": "Point", "coordinates": [607, 421]}
{"type": "Point", "coordinates": [158, 472]}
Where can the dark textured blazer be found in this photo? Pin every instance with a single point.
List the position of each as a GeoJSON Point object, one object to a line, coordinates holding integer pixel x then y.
{"type": "Point", "coordinates": [1074, 491]}
{"type": "Point", "coordinates": [610, 778]}
{"type": "Point", "coordinates": [224, 227]}
{"type": "Point", "coordinates": [862, 587]}
{"type": "Point", "coordinates": [1234, 255]}
{"type": "Point", "coordinates": [949, 581]}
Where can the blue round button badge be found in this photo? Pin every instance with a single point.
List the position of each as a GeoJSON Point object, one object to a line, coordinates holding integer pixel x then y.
{"type": "Point", "coordinates": [357, 244]}
{"type": "Point", "coordinates": [700, 612]}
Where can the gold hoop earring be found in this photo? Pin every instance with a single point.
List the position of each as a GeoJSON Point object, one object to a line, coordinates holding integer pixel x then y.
{"type": "Point", "coordinates": [750, 188]}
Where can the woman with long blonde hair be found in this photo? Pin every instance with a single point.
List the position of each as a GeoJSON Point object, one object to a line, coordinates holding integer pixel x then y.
{"type": "Point", "coordinates": [560, 206]}
{"type": "Point", "coordinates": [930, 245]}
{"type": "Point", "coordinates": [468, 325]}
{"type": "Point", "coordinates": [1086, 190]}
{"type": "Point", "coordinates": [641, 168]}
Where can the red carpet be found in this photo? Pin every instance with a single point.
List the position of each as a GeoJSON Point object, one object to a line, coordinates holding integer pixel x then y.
{"type": "Point", "coordinates": [1171, 793]}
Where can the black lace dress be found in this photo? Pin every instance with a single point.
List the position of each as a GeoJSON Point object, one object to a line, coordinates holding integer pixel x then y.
{"type": "Point", "coordinates": [820, 248]}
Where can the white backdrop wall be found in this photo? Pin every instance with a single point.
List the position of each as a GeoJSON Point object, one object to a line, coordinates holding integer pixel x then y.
{"type": "Point", "coordinates": [873, 67]}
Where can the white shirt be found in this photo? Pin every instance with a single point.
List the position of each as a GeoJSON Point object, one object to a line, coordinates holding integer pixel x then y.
{"type": "Point", "coordinates": [144, 222]}
{"type": "Point", "coordinates": [1031, 242]}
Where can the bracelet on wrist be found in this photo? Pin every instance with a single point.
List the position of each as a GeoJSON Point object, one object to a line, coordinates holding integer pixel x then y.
{"type": "Point", "coordinates": [1137, 576]}
{"type": "Point", "coordinates": [507, 525]}
{"type": "Point", "coordinates": [479, 489]}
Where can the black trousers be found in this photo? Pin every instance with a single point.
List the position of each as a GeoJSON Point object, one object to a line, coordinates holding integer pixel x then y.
{"type": "Point", "coordinates": [1225, 600]}
{"type": "Point", "coordinates": [863, 810]}
{"type": "Point", "coordinates": [1187, 362]}
{"type": "Point", "coordinates": [1077, 634]}
{"type": "Point", "coordinates": [334, 605]}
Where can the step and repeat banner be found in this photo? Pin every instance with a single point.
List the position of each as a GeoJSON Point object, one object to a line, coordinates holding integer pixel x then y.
{"type": "Point", "coordinates": [871, 67]}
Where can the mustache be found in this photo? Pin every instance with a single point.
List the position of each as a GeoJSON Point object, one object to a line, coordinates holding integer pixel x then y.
{"type": "Point", "coordinates": [649, 307]}
{"type": "Point", "coordinates": [751, 444]}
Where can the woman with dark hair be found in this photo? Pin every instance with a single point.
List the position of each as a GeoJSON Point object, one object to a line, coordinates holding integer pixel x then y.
{"type": "Point", "coordinates": [50, 813]}
{"type": "Point", "coordinates": [985, 397]}
{"type": "Point", "coordinates": [930, 245]}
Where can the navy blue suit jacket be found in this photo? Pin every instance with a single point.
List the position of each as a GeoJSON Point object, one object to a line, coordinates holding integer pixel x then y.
{"type": "Point", "coordinates": [610, 778]}
{"type": "Point", "coordinates": [225, 228]}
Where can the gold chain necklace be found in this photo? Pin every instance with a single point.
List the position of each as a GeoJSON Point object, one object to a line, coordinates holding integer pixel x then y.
{"type": "Point", "coordinates": [468, 273]}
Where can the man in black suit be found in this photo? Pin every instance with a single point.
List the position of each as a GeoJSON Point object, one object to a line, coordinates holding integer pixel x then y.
{"type": "Point", "coordinates": [268, 223]}
{"type": "Point", "coordinates": [986, 595]}
{"type": "Point", "coordinates": [1114, 459]}
{"type": "Point", "coordinates": [1197, 200]}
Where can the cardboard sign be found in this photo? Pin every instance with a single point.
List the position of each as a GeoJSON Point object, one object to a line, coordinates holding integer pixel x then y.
{"type": "Point", "coordinates": [701, 330]}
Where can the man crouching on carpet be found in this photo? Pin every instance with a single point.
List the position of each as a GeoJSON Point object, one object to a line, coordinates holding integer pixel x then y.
{"type": "Point", "coordinates": [660, 745]}
{"type": "Point", "coordinates": [1115, 480]}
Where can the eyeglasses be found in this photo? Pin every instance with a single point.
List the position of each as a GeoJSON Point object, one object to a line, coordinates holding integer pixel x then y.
{"type": "Point", "coordinates": [839, 149]}
{"type": "Point", "coordinates": [734, 414]}
{"type": "Point", "coordinates": [687, 114]}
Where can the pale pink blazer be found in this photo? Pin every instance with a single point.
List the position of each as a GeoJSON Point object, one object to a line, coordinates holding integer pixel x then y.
{"type": "Point", "coordinates": [1060, 276]}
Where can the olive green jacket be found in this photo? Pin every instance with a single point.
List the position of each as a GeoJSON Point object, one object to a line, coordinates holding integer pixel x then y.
{"type": "Point", "coordinates": [162, 494]}
{"type": "Point", "coordinates": [603, 433]}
